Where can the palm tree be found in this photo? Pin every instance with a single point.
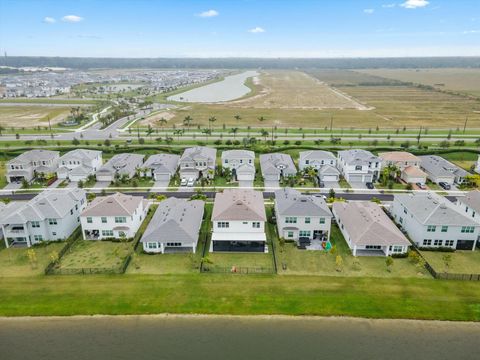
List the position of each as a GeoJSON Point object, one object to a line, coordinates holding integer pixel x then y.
{"type": "Point", "coordinates": [149, 131]}
{"type": "Point", "coordinates": [187, 121]}
{"type": "Point", "coordinates": [211, 120]}
{"type": "Point", "coordinates": [178, 132]}
{"type": "Point", "coordinates": [162, 123]}
{"type": "Point", "coordinates": [261, 118]}
{"type": "Point", "coordinates": [238, 118]}
{"type": "Point", "coordinates": [207, 132]}
{"type": "Point", "coordinates": [234, 132]}
{"type": "Point", "coordinates": [264, 134]}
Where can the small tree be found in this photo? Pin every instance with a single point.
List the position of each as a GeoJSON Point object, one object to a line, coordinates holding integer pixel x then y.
{"type": "Point", "coordinates": [339, 263]}
{"type": "Point", "coordinates": [389, 263]}
{"type": "Point", "coordinates": [447, 261]}
{"type": "Point", "coordinates": [32, 258]}
{"type": "Point", "coordinates": [54, 256]}
{"type": "Point", "coordinates": [356, 264]}
{"type": "Point", "coordinates": [331, 194]}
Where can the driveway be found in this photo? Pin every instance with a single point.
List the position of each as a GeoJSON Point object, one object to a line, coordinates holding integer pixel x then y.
{"type": "Point", "coordinates": [13, 186]}
{"type": "Point", "coordinates": [245, 183]}
{"type": "Point", "coordinates": [160, 185]}
{"type": "Point", "coordinates": [331, 185]}
{"type": "Point", "coordinates": [271, 184]}
{"type": "Point", "coordinates": [55, 183]}
{"type": "Point", "coordinates": [101, 184]}
{"type": "Point", "coordinates": [72, 184]}
{"type": "Point", "coordinates": [358, 185]}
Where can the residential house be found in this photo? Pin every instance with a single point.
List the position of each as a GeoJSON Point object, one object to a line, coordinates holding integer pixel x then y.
{"type": "Point", "coordinates": [239, 221]}
{"type": "Point", "coordinates": [440, 170]}
{"type": "Point", "coordinates": [323, 161]}
{"type": "Point", "coordinates": [198, 162]}
{"type": "Point", "coordinates": [368, 230]}
{"type": "Point", "coordinates": [470, 204]}
{"type": "Point", "coordinates": [174, 227]}
{"type": "Point", "coordinates": [477, 165]}
{"type": "Point", "coordinates": [301, 216]}
{"type": "Point", "coordinates": [241, 163]}
{"type": "Point", "coordinates": [30, 163]}
{"type": "Point", "coordinates": [408, 164]}
{"type": "Point", "coordinates": [433, 221]}
{"type": "Point", "coordinates": [120, 165]}
{"type": "Point", "coordinates": [161, 166]}
{"type": "Point", "coordinates": [359, 166]}
{"type": "Point", "coordinates": [50, 216]}
{"type": "Point", "coordinates": [78, 164]}
{"type": "Point", "coordinates": [276, 166]}
{"type": "Point", "coordinates": [114, 216]}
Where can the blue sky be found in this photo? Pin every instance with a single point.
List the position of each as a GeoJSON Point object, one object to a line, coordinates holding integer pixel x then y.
{"type": "Point", "coordinates": [249, 28]}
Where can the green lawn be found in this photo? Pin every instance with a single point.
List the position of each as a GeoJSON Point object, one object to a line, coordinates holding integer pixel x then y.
{"type": "Point", "coordinates": [95, 254]}
{"type": "Point", "coordinates": [304, 262]}
{"type": "Point", "coordinates": [134, 182]}
{"type": "Point", "coordinates": [464, 159]}
{"type": "Point", "coordinates": [241, 295]}
{"type": "Point", "coordinates": [15, 261]}
{"type": "Point", "coordinates": [3, 180]}
{"type": "Point", "coordinates": [462, 262]}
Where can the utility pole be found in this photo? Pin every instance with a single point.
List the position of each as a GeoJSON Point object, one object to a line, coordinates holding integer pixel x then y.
{"type": "Point", "coordinates": [419, 135]}
{"type": "Point", "coordinates": [50, 127]}
{"type": "Point", "coordinates": [465, 125]}
{"type": "Point", "coordinates": [331, 123]}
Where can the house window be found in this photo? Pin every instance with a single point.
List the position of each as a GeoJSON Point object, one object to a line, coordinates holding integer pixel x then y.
{"type": "Point", "coordinates": [438, 242]}
{"type": "Point", "coordinates": [404, 210]}
{"type": "Point", "coordinates": [307, 220]}
{"type": "Point", "coordinates": [307, 162]}
{"type": "Point", "coordinates": [223, 224]}
{"type": "Point", "coordinates": [290, 220]}
{"type": "Point", "coordinates": [107, 233]}
{"type": "Point", "coordinates": [89, 220]}
{"type": "Point", "coordinates": [322, 220]}
{"type": "Point", "coordinates": [468, 229]}
{"type": "Point", "coordinates": [38, 237]}
{"type": "Point", "coordinates": [400, 220]}
{"type": "Point", "coordinates": [444, 228]}
{"type": "Point", "coordinates": [76, 207]}
{"type": "Point", "coordinates": [473, 213]}
{"type": "Point", "coordinates": [449, 242]}
{"type": "Point", "coordinates": [431, 228]}
{"type": "Point", "coordinates": [304, 233]}
{"type": "Point", "coordinates": [104, 220]}
{"type": "Point", "coordinates": [120, 219]}
{"type": "Point", "coordinates": [427, 242]}
{"type": "Point", "coordinates": [71, 211]}
{"type": "Point", "coordinates": [35, 224]}
{"type": "Point", "coordinates": [152, 245]}
{"type": "Point", "coordinates": [226, 161]}
{"type": "Point", "coordinates": [397, 249]}
{"type": "Point", "coordinates": [177, 244]}
{"type": "Point", "coordinates": [373, 247]}
{"type": "Point", "coordinates": [256, 225]}
{"type": "Point", "coordinates": [358, 167]}
{"type": "Point", "coordinates": [52, 221]}
{"type": "Point", "coordinates": [290, 234]}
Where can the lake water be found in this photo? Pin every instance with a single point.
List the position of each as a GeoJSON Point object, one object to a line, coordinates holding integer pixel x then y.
{"type": "Point", "coordinates": [230, 88]}
{"type": "Point", "coordinates": [172, 337]}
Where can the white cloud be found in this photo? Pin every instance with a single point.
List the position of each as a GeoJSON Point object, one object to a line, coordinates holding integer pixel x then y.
{"type": "Point", "coordinates": [413, 4]}
{"type": "Point", "coordinates": [387, 6]}
{"type": "Point", "coordinates": [72, 18]}
{"type": "Point", "coordinates": [257, 30]}
{"type": "Point", "coordinates": [49, 20]}
{"type": "Point", "coordinates": [209, 13]}
{"type": "Point", "coordinates": [471, 32]}
{"type": "Point", "coordinates": [369, 11]}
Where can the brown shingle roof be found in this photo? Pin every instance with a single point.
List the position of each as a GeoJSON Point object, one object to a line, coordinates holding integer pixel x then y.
{"type": "Point", "coordinates": [239, 204]}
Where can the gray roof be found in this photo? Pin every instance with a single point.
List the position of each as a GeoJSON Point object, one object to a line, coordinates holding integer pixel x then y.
{"type": "Point", "coordinates": [175, 220]}
{"type": "Point", "coordinates": [472, 200]}
{"type": "Point", "coordinates": [50, 204]}
{"type": "Point", "coordinates": [80, 154]}
{"type": "Point", "coordinates": [316, 155]}
{"type": "Point", "coordinates": [35, 155]}
{"type": "Point", "coordinates": [438, 166]}
{"type": "Point", "coordinates": [163, 163]}
{"type": "Point", "coordinates": [196, 152]}
{"type": "Point", "coordinates": [270, 164]}
{"type": "Point", "coordinates": [358, 157]}
{"type": "Point", "coordinates": [238, 154]}
{"type": "Point", "coordinates": [123, 163]}
{"type": "Point", "coordinates": [291, 202]}
{"type": "Point", "coordinates": [328, 170]}
{"type": "Point", "coordinates": [117, 204]}
{"type": "Point", "coordinates": [367, 224]}
{"type": "Point", "coordinates": [433, 209]}
{"type": "Point", "coordinates": [239, 204]}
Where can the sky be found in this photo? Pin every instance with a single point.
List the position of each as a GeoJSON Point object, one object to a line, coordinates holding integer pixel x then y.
{"type": "Point", "coordinates": [240, 28]}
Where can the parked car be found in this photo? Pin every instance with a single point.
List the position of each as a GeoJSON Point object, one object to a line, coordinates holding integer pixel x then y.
{"type": "Point", "coordinates": [421, 186]}
{"type": "Point", "coordinates": [321, 184]}
{"type": "Point", "coordinates": [183, 182]}
{"type": "Point", "coordinates": [370, 185]}
{"type": "Point", "coordinates": [190, 182]}
{"type": "Point", "coordinates": [444, 185]}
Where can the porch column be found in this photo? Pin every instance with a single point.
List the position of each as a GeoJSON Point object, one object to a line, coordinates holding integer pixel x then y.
{"type": "Point", "coordinates": [194, 248]}
{"type": "Point", "coordinates": [162, 248]}
{"type": "Point", "coordinates": [387, 252]}
{"type": "Point", "coordinates": [211, 246]}
{"type": "Point", "coordinates": [4, 237]}
{"type": "Point", "coordinates": [355, 250]}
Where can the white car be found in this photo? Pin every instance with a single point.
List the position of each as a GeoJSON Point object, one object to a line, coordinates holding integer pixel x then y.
{"type": "Point", "coordinates": [183, 182]}
{"type": "Point", "coordinates": [191, 182]}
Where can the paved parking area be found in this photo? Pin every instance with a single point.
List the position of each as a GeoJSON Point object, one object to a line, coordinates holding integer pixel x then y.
{"type": "Point", "coordinates": [272, 184]}
{"type": "Point", "coordinates": [55, 183]}
{"type": "Point", "coordinates": [72, 184]}
{"type": "Point", "coordinates": [358, 185]}
{"type": "Point", "coordinates": [13, 186]}
{"type": "Point", "coordinates": [331, 185]}
{"type": "Point", "coordinates": [245, 183]}
{"type": "Point", "coordinates": [160, 185]}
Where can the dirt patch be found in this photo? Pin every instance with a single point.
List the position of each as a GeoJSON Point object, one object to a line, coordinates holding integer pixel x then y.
{"type": "Point", "coordinates": [154, 119]}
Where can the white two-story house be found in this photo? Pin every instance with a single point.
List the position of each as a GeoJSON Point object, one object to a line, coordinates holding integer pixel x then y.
{"type": "Point", "coordinates": [239, 221]}
{"type": "Point", "coordinates": [120, 165]}
{"type": "Point", "coordinates": [50, 216]}
{"type": "Point", "coordinates": [198, 162]}
{"type": "Point", "coordinates": [78, 164]}
{"type": "Point", "coordinates": [27, 165]}
{"type": "Point", "coordinates": [161, 166]}
{"type": "Point", "coordinates": [359, 166]}
{"type": "Point", "coordinates": [301, 216]}
{"type": "Point", "coordinates": [323, 161]}
{"type": "Point", "coordinates": [241, 163]}
{"type": "Point", "coordinates": [470, 204]}
{"type": "Point", "coordinates": [433, 221]}
{"type": "Point", "coordinates": [115, 216]}
{"type": "Point", "coordinates": [276, 166]}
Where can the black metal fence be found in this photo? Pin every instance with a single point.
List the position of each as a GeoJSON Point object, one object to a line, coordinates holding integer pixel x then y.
{"type": "Point", "coordinates": [447, 276]}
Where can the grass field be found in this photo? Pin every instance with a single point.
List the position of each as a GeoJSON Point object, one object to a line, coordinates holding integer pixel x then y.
{"type": "Point", "coordinates": [466, 81]}
{"type": "Point", "coordinates": [29, 116]}
{"type": "Point", "coordinates": [462, 159]}
{"type": "Point", "coordinates": [462, 262]}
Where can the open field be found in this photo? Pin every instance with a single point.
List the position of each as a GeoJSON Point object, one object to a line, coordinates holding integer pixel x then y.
{"type": "Point", "coordinates": [466, 81]}
{"type": "Point", "coordinates": [237, 294]}
{"type": "Point", "coordinates": [292, 99]}
{"type": "Point", "coordinates": [463, 159]}
{"type": "Point", "coordinates": [462, 262]}
{"type": "Point", "coordinates": [31, 116]}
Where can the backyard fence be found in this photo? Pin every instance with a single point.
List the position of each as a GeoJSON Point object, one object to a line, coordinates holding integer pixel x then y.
{"type": "Point", "coordinates": [445, 275]}
{"type": "Point", "coordinates": [215, 269]}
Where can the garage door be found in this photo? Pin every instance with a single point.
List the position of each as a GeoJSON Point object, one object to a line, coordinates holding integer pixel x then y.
{"type": "Point", "coordinates": [165, 177]}
{"type": "Point", "coordinates": [465, 244]}
{"type": "Point", "coordinates": [355, 178]}
{"type": "Point", "coordinates": [15, 179]}
{"type": "Point", "coordinates": [271, 177]}
{"type": "Point", "coordinates": [330, 178]}
{"type": "Point", "coordinates": [245, 177]}
{"type": "Point", "coordinates": [104, 178]}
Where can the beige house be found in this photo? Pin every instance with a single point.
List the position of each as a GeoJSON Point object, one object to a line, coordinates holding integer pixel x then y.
{"type": "Point", "coordinates": [413, 175]}
{"type": "Point", "coordinates": [408, 164]}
